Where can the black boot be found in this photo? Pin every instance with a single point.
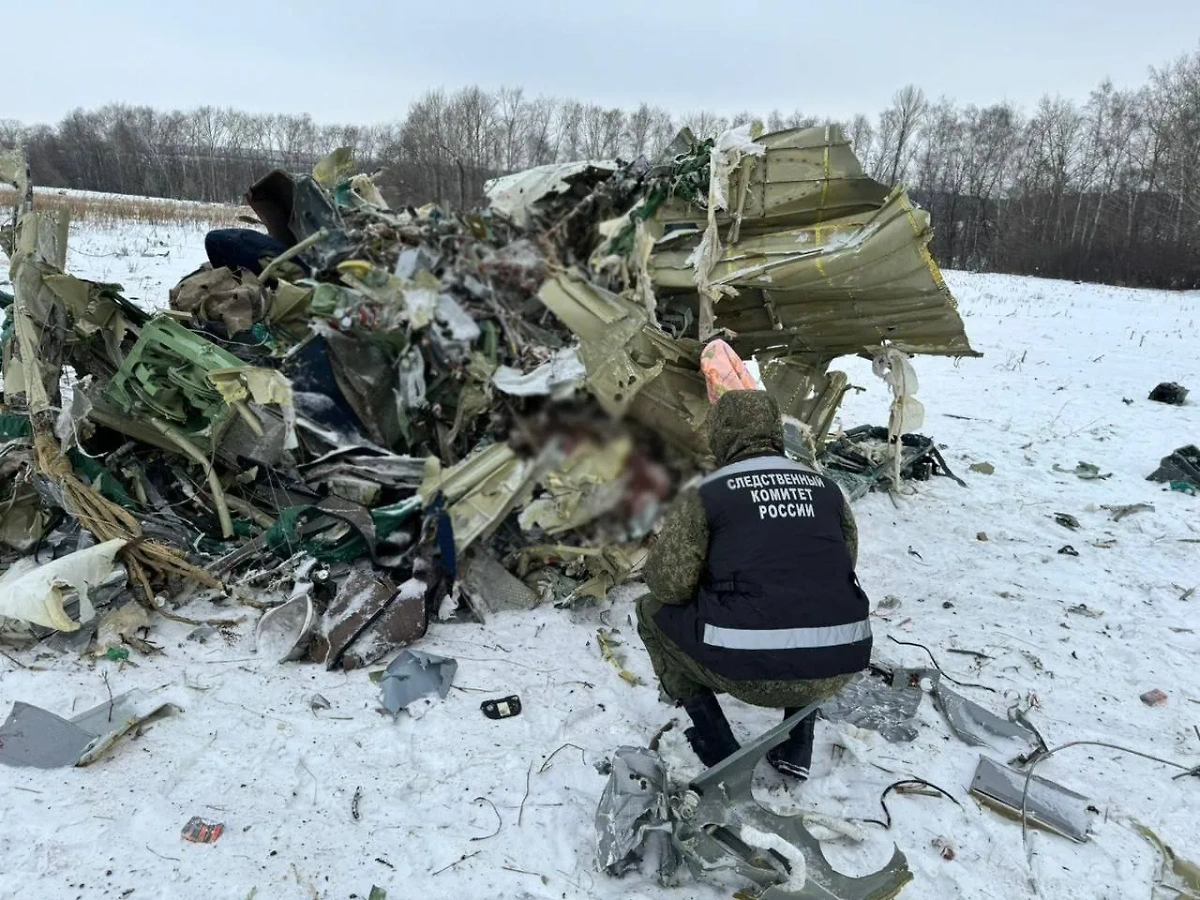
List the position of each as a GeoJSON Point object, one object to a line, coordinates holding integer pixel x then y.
{"type": "Point", "coordinates": [794, 756]}
{"type": "Point", "coordinates": [711, 737]}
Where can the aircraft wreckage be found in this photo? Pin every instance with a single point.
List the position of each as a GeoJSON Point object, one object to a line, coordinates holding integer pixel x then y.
{"type": "Point", "coordinates": [409, 411]}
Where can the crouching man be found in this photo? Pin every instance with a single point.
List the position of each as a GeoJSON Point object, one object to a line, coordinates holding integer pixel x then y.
{"type": "Point", "coordinates": [752, 587]}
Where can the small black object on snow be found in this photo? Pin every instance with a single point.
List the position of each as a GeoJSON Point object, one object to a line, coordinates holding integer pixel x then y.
{"type": "Point", "coordinates": [504, 708]}
{"type": "Point", "coordinates": [1181, 466]}
{"type": "Point", "coordinates": [1068, 550]}
{"type": "Point", "coordinates": [1169, 392]}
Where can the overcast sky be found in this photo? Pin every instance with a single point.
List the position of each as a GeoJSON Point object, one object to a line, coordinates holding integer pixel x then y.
{"type": "Point", "coordinates": [364, 61]}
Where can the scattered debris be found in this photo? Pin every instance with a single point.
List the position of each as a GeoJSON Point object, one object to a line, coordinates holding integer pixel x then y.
{"type": "Point", "coordinates": [944, 848]}
{"type": "Point", "coordinates": [1154, 697]}
{"type": "Point", "coordinates": [39, 594]}
{"type": "Point", "coordinates": [199, 831]}
{"type": "Point", "coordinates": [909, 786]}
{"type": "Point", "coordinates": [715, 822]}
{"type": "Point", "coordinates": [355, 801]}
{"type": "Point", "coordinates": [502, 709]}
{"type": "Point", "coordinates": [1082, 609]}
{"type": "Point", "coordinates": [201, 633]}
{"type": "Point", "coordinates": [1085, 471]}
{"type": "Point", "coordinates": [604, 638]}
{"type": "Point", "coordinates": [283, 632]}
{"type": "Point", "coordinates": [1042, 803]}
{"type": "Point", "coordinates": [32, 736]}
{"type": "Point", "coordinates": [413, 675]}
{"type": "Point", "coordinates": [318, 702]}
{"type": "Point", "coordinates": [121, 626]}
{"type": "Point", "coordinates": [1067, 521]}
{"type": "Point", "coordinates": [983, 468]}
{"type": "Point", "coordinates": [1182, 467]}
{"type": "Point", "coordinates": [1120, 512]}
{"type": "Point", "coordinates": [1067, 550]}
{"type": "Point", "coordinates": [889, 602]}
{"type": "Point", "coordinates": [392, 416]}
{"type": "Point", "coordinates": [633, 818]}
{"type": "Point", "coordinates": [978, 727]}
{"type": "Point", "coordinates": [718, 805]}
{"type": "Point", "coordinates": [1169, 392]}
{"type": "Point", "coordinates": [860, 460]}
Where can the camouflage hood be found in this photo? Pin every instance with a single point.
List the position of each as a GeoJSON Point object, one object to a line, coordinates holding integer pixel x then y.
{"type": "Point", "coordinates": [745, 424]}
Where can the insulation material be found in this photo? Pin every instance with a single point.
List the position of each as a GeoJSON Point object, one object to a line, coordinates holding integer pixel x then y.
{"type": "Point", "coordinates": [265, 386]}
{"type": "Point", "coordinates": [558, 377]}
{"type": "Point", "coordinates": [727, 153]}
{"type": "Point", "coordinates": [907, 414]}
{"type": "Point", "coordinates": [36, 595]}
{"type": "Point", "coordinates": [514, 195]}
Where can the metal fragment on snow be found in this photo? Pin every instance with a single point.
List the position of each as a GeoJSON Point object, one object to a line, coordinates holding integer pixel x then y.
{"type": "Point", "coordinates": [32, 736]}
{"type": "Point", "coordinates": [413, 675]}
{"type": "Point", "coordinates": [633, 819]}
{"type": "Point", "coordinates": [975, 725]}
{"type": "Point", "coordinates": [869, 701]}
{"type": "Point", "coordinates": [715, 828]}
{"type": "Point", "coordinates": [1047, 805]}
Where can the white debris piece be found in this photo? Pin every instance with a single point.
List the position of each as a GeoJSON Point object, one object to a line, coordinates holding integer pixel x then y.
{"type": "Point", "coordinates": [37, 594]}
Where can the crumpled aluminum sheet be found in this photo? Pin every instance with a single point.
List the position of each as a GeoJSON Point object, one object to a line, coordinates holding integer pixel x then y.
{"type": "Point", "coordinates": [413, 675]}
{"type": "Point", "coordinates": [868, 701]}
{"type": "Point", "coordinates": [557, 377]}
{"type": "Point", "coordinates": [976, 726]}
{"type": "Point", "coordinates": [633, 819]}
{"type": "Point", "coordinates": [32, 736]}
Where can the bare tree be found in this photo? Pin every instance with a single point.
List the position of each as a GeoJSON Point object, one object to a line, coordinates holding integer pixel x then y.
{"type": "Point", "coordinates": [513, 115]}
{"type": "Point", "coordinates": [908, 109]}
{"type": "Point", "coordinates": [1108, 189]}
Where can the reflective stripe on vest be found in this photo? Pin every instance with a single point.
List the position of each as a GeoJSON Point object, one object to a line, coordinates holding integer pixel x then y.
{"type": "Point", "coordinates": [787, 638]}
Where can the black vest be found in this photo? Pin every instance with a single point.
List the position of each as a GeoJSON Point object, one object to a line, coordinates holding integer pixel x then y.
{"type": "Point", "coordinates": [779, 599]}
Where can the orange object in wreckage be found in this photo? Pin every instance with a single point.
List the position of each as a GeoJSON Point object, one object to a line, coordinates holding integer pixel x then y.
{"type": "Point", "coordinates": [724, 371]}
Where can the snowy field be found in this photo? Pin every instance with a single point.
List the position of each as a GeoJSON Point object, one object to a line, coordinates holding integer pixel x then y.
{"type": "Point", "coordinates": [456, 805]}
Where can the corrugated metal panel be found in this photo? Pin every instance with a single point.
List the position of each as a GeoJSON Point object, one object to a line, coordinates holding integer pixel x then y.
{"type": "Point", "coordinates": [826, 260]}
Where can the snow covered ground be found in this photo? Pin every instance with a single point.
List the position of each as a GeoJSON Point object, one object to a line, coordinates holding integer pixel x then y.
{"type": "Point", "coordinates": [456, 805]}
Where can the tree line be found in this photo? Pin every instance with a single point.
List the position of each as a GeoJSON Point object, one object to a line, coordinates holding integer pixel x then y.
{"type": "Point", "coordinates": [1106, 189]}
